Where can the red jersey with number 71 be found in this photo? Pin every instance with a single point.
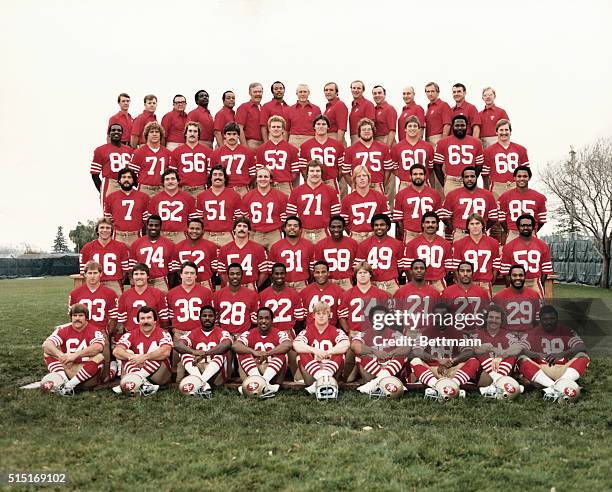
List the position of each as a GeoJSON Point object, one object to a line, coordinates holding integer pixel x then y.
{"type": "Point", "coordinates": [150, 164]}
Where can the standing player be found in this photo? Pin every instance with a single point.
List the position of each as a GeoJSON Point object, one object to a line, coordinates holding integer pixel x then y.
{"type": "Point", "coordinates": [174, 206]}
{"type": "Point", "coordinates": [489, 117]}
{"type": "Point", "coordinates": [322, 290]}
{"type": "Point", "coordinates": [324, 149]}
{"type": "Point", "coordinates": [314, 202]}
{"type": "Point", "coordinates": [248, 116]}
{"type": "Point", "coordinates": [360, 108]}
{"type": "Point", "coordinates": [192, 160]}
{"type": "Point", "coordinates": [295, 252]}
{"type": "Point", "coordinates": [438, 116]}
{"type": "Point", "coordinates": [412, 202]}
{"type": "Point", "coordinates": [336, 113]}
{"type": "Point", "coordinates": [465, 296]}
{"type": "Point", "coordinates": [219, 206]}
{"type": "Point", "coordinates": [113, 256]}
{"type": "Point", "coordinates": [123, 118]}
{"type": "Point", "coordinates": [530, 252]}
{"type": "Point", "coordinates": [338, 251]}
{"type": "Point", "coordinates": [385, 117]}
{"type": "Point", "coordinates": [250, 255]}
{"type": "Point", "coordinates": [202, 116]}
{"type": "Point", "coordinates": [464, 108]}
{"type": "Point", "coordinates": [108, 160]}
{"type": "Point", "coordinates": [300, 117]}
{"type": "Point", "coordinates": [359, 206]}
{"type": "Point", "coordinates": [198, 250]}
{"type": "Point", "coordinates": [415, 297]}
{"type": "Point", "coordinates": [127, 208]}
{"type": "Point", "coordinates": [265, 207]}
{"type": "Point", "coordinates": [410, 109]}
{"type": "Point", "coordinates": [238, 160]}
{"type": "Point", "coordinates": [284, 302]}
{"type": "Point", "coordinates": [174, 123]}
{"type": "Point", "coordinates": [274, 107]}
{"type": "Point", "coordinates": [519, 302]}
{"type": "Point", "coordinates": [137, 137]}
{"type": "Point", "coordinates": [410, 151]}
{"type": "Point", "coordinates": [225, 115]}
{"type": "Point", "coordinates": [151, 160]}
{"type": "Point", "coordinates": [383, 253]}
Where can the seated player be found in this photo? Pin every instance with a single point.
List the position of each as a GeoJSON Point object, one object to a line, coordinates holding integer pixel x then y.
{"type": "Point", "coordinates": [322, 289]}
{"type": "Point", "coordinates": [295, 252]}
{"type": "Point", "coordinates": [108, 160]}
{"type": "Point", "coordinates": [556, 353]}
{"type": "Point", "coordinates": [339, 251]}
{"type": "Point", "coordinates": [519, 302]}
{"type": "Point", "coordinates": [73, 354]}
{"type": "Point", "coordinates": [145, 353]}
{"type": "Point", "coordinates": [262, 351]}
{"type": "Point", "coordinates": [465, 295]}
{"type": "Point", "coordinates": [320, 348]}
{"type": "Point", "coordinates": [204, 350]}
{"type": "Point", "coordinates": [415, 297]}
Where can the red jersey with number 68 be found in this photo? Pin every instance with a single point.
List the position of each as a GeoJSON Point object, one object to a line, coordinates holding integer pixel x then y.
{"type": "Point", "coordinates": [358, 210]}
{"type": "Point", "coordinates": [437, 255]}
{"type": "Point", "coordinates": [202, 252]}
{"type": "Point", "coordinates": [286, 306]}
{"type": "Point", "coordinates": [500, 162]}
{"type": "Point", "coordinates": [150, 164]}
{"type": "Point", "coordinates": [157, 255]}
{"type": "Point", "coordinates": [192, 164]}
{"type": "Point", "coordinates": [376, 158]}
{"type": "Point", "coordinates": [131, 301]}
{"type": "Point", "coordinates": [355, 305]}
{"type": "Point", "coordinates": [109, 159]}
{"type": "Point", "coordinates": [330, 154]}
{"type": "Point", "coordinates": [457, 154]}
{"type": "Point", "coordinates": [218, 212]}
{"type": "Point", "coordinates": [128, 211]}
{"type": "Point", "coordinates": [298, 258]}
{"type": "Point", "coordinates": [281, 159]}
{"type": "Point", "coordinates": [184, 306]}
{"type": "Point", "coordinates": [483, 255]}
{"type": "Point", "coordinates": [237, 311]}
{"type": "Point", "coordinates": [114, 258]}
{"type": "Point", "coordinates": [410, 205]}
{"type": "Point", "coordinates": [266, 212]}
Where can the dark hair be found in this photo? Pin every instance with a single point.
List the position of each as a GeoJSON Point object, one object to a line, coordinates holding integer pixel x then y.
{"type": "Point", "coordinates": [126, 170]}
{"type": "Point", "coordinates": [146, 309]}
{"type": "Point", "coordinates": [195, 219]}
{"type": "Point", "coordinates": [278, 264]}
{"type": "Point", "coordinates": [384, 217]}
{"type": "Point", "coordinates": [418, 166]}
{"type": "Point", "coordinates": [468, 168]}
{"type": "Point", "coordinates": [465, 262]}
{"type": "Point", "coordinates": [114, 124]}
{"type": "Point", "coordinates": [196, 94]}
{"type": "Point", "coordinates": [208, 307]}
{"type": "Point", "coordinates": [429, 214]}
{"type": "Point", "coordinates": [178, 95]}
{"type": "Point", "coordinates": [267, 309]}
{"type": "Point", "coordinates": [377, 86]}
{"type": "Point", "coordinates": [460, 86]}
{"type": "Point", "coordinates": [417, 260]}
{"type": "Point", "coordinates": [242, 220]}
{"type": "Point", "coordinates": [516, 265]}
{"type": "Point", "coordinates": [168, 172]}
{"type": "Point", "coordinates": [231, 127]}
{"type": "Point", "coordinates": [189, 264]}
{"type": "Point", "coordinates": [141, 267]}
{"type": "Point", "coordinates": [526, 216]}
{"type": "Point", "coordinates": [224, 94]}
{"type": "Point", "coordinates": [123, 94]}
{"type": "Point", "coordinates": [321, 262]}
{"type": "Point", "coordinates": [459, 117]}
{"type": "Point", "coordinates": [234, 265]}
{"type": "Point", "coordinates": [293, 217]}
{"type": "Point", "coordinates": [154, 217]}
{"type": "Point", "coordinates": [523, 168]}
{"type": "Point", "coordinates": [337, 217]}
{"type": "Point", "coordinates": [321, 117]}
{"type": "Point", "coordinates": [217, 167]}
{"type": "Point", "coordinates": [274, 83]}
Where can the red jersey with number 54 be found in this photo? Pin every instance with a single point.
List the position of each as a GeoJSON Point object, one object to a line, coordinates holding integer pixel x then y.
{"type": "Point", "coordinates": [236, 311]}
{"type": "Point", "coordinates": [109, 159]}
{"type": "Point", "coordinates": [330, 154]}
{"type": "Point", "coordinates": [157, 255]}
{"type": "Point", "coordinates": [128, 211]}
{"type": "Point", "coordinates": [457, 154]}
{"type": "Point", "coordinates": [192, 164]}
{"type": "Point", "coordinates": [251, 256]}
{"type": "Point", "coordinates": [281, 159]}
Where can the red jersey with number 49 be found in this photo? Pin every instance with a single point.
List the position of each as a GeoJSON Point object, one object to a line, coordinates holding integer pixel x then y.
{"type": "Point", "coordinates": [376, 158]}
{"type": "Point", "coordinates": [266, 212]}
{"type": "Point", "coordinates": [150, 164]}
{"type": "Point", "coordinates": [174, 210]}
{"type": "Point", "coordinates": [109, 159]}
{"type": "Point", "coordinates": [457, 154]}
{"type": "Point", "coordinates": [340, 255]}
{"type": "Point", "coordinates": [239, 164]}
{"type": "Point", "coordinates": [405, 155]}
{"type": "Point", "coordinates": [251, 256]}
{"type": "Point", "coordinates": [522, 307]}
{"type": "Point", "coordinates": [141, 344]}
{"type": "Point", "coordinates": [298, 258]}
{"type": "Point", "coordinates": [358, 210]}
{"type": "Point", "coordinates": [281, 159]}
{"type": "Point", "coordinates": [128, 211]}
{"type": "Point", "coordinates": [533, 255]}
{"type": "Point", "coordinates": [513, 204]}
{"type": "Point", "coordinates": [330, 154]}
{"type": "Point", "coordinates": [313, 205]}
{"type": "Point", "coordinates": [157, 255]}
{"type": "Point", "coordinates": [286, 306]}
{"type": "Point", "coordinates": [114, 258]}
{"type": "Point", "coordinates": [184, 307]}
{"type": "Point", "coordinates": [460, 203]}
{"type": "Point", "coordinates": [500, 163]}
{"type": "Point", "coordinates": [69, 340]}
{"type": "Point", "coordinates": [331, 294]}
{"type": "Point", "coordinates": [410, 205]}
{"type": "Point", "coordinates": [355, 305]}
{"type": "Point", "coordinates": [131, 301]}
{"type": "Point", "coordinates": [437, 255]}
{"type": "Point", "coordinates": [236, 310]}
{"type": "Point", "coordinates": [326, 340]}
{"type": "Point", "coordinates": [192, 164]}
{"type": "Point", "coordinates": [483, 255]}
{"type": "Point", "coordinates": [218, 212]}
{"type": "Point", "coordinates": [102, 304]}
{"type": "Point", "coordinates": [384, 256]}
{"type": "Point", "coordinates": [202, 252]}
{"type": "Point", "coordinates": [558, 340]}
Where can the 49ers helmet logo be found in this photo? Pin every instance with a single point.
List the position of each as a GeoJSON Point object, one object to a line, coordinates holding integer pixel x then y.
{"type": "Point", "coordinates": [391, 388]}
{"type": "Point", "coordinates": [129, 386]}
{"type": "Point", "coordinates": [571, 392]}
{"type": "Point", "coordinates": [509, 388]}
{"type": "Point", "coordinates": [448, 390]}
{"type": "Point", "coordinates": [188, 387]}
{"type": "Point", "coordinates": [252, 386]}
{"type": "Point", "coordinates": [48, 386]}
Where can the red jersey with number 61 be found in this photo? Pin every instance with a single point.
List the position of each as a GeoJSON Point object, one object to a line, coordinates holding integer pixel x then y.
{"type": "Point", "coordinates": [266, 212]}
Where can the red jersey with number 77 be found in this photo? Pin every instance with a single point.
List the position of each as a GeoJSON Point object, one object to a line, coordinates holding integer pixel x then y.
{"type": "Point", "coordinates": [239, 164]}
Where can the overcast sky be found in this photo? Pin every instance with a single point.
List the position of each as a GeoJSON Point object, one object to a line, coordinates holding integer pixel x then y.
{"type": "Point", "coordinates": [64, 62]}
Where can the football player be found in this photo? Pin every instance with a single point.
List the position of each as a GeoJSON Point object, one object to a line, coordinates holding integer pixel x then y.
{"type": "Point", "coordinates": [151, 160]}
{"type": "Point", "coordinates": [237, 159]}
{"type": "Point", "coordinates": [338, 251]}
{"type": "Point", "coordinates": [174, 123]}
{"type": "Point", "coordinates": [108, 160]}
{"type": "Point", "coordinates": [73, 354]}
{"type": "Point", "coordinates": [465, 296]}
{"type": "Point", "coordinates": [412, 150]}
{"type": "Point", "coordinates": [201, 115]}
{"type": "Point", "coordinates": [464, 108]}
{"type": "Point", "coordinates": [521, 303]}
{"type": "Point", "coordinates": [284, 302]}
{"type": "Point", "coordinates": [415, 297]}
{"type": "Point", "coordinates": [192, 160]}
{"type": "Point", "coordinates": [300, 117]}
{"type": "Point", "coordinates": [274, 107]}
{"type": "Point", "coordinates": [295, 252]}
{"type": "Point", "coordinates": [490, 117]}
{"type": "Point", "coordinates": [322, 289]}
{"type": "Point", "coordinates": [198, 250]}
{"type": "Point", "coordinates": [137, 136]}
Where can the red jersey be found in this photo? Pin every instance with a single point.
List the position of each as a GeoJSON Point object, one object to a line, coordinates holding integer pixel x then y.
{"type": "Point", "coordinates": [173, 124]}
{"type": "Point", "coordinates": [108, 160]}
{"type": "Point", "coordinates": [266, 212]}
{"type": "Point", "coordinates": [502, 340]}
{"type": "Point", "coordinates": [236, 310]}
{"type": "Point", "coordinates": [385, 256]}
{"type": "Point", "coordinates": [218, 212]}
{"type": "Point", "coordinates": [337, 114]}
{"type": "Point", "coordinates": [500, 162]}
{"type": "Point", "coordinates": [314, 206]}
{"type": "Point", "coordinates": [114, 258]}
{"type": "Point", "coordinates": [470, 112]}
{"type": "Point", "coordinates": [286, 306]}
{"type": "Point", "coordinates": [313, 294]}
{"type": "Point", "coordinates": [256, 341]}
{"type": "Point", "coordinates": [128, 211]}
{"type": "Point", "coordinates": [300, 117]}
{"type": "Point", "coordinates": [150, 164]}
{"type": "Point", "coordinates": [297, 258]}
{"type": "Point", "coordinates": [513, 204]}
{"type": "Point", "coordinates": [251, 256]}
{"type": "Point", "coordinates": [202, 116]}
{"type": "Point", "coordinates": [141, 344]}
{"type": "Point", "coordinates": [248, 115]}
{"type": "Point", "coordinates": [339, 255]}
{"type": "Point", "coordinates": [385, 117]}
{"type": "Point", "coordinates": [125, 120]}
{"type": "Point", "coordinates": [139, 124]}
{"type": "Point", "coordinates": [239, 164]}
{"type": "Point", "coordinates": [328, 339]}
{"type": "Point", "coordinates": [437, 255]}
{"type": "Point", "coordinates": [202, 252]}
{"type": "Point", "coordinates": [102, 304]}
{"type": "Point", "coordinates": [489, 118]}
{"type": "Point", "coordinates": [385, 339]}
{"type": "Point", "coordinates": [69, 340]}
{"type": "Point", "coordinates": [358, 210]}
{"type": "Point", "coordinates": [410, 205]}
{"type": "Point", "coordinates": [472, 301]}
{"type": "Point", "coordinates": [441, 350]}
{"type": "Point", "coordinates": [273, 107]}
{"type": "Point", "coordinates": [522, 307]}
{"type": "Point", "coordinates": [224, 116]}
{"type": "Point", "coordinates": [330, 154]}
{"type": "Point", "coordinates": [360, 108]}
{"type": "Point", "coordinates": [412, 109]}
{"type": "Point", "coordinates": [174, 210]}
{"type": "Point", "coordinates": [416, 301]}
{"type": "Point", "coordinates": [355, 305]}
{"type": "Point", "coordinates": [198, 339]}
{"type": "Point", "coordinates": [483, 255]}
{"type": "Point", "coordinates": [131, 301]}
{"type": "Point", "coordinates": [558, 340]}
{"type": "Point", "coordinates": [281, 159]}
{"type": "Point", "coordinates": [460, 203]}
{"type": "Point", "coordinates": [405, 155]}
{"type": "Point", "coordinates": [376, 158]}
{"type": "Point", "coordinates": [438, 115]}
{"type": "Point", "coordinates": [192, 164]}
{"type": "Point", "coordinates": [457, 154]}
{"type": "Point", "coordinates": [157, 255]}
{"type": "Point", "coordinates": [184, 307]}
{"type": "Point", "coordinates": [534, 255]}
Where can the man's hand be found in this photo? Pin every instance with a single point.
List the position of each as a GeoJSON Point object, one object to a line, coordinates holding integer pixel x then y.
{"type": "Point", "coordinates": [552, 358]}
{"type": "Point", "coordinates": [139, 360]}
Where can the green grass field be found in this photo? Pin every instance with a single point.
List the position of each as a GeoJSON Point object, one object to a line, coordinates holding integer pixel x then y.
{"type": "Point", "coordinates": [292, 442]}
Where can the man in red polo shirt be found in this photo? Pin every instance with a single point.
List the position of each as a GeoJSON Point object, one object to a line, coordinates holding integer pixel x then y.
{"type": "Point", "coordinates": [501, 159]}
{"type": "Point", "coordinates": [438, 116]}
{"type": "Point", "coordinates": [324, 149]}
{"type": "Point", "coordinates": [300, 117]}
{"type": "Point", "coordinates": [466, 109]}
{"type": "Point", "coordinates": [202, 115]}
{"type": "Point", "coordinates": [360, 108]}
{"type": "Point", "coordinates": [314, 202]}
{"type": "Point", "coordinates": [225, 115]}
{"type": "Point", "coordinates": [108, 160]}
{"type": "Point", "coordinates": [295, 252]}
{"type": "Point", "coordinates": [455, 153]}
{"type": "Point", "coordinates": [192, 160]}
{"type": "Point", "coordinates": [410, 108]}
{"type": "Point", "coordinates": [385, 117]}
{"type": "Point", "coordinates": [151, 160]}
{"type": "Point", "coordinates": [336, 112]}
{"type": "Point", "coordinates": [123, 117]}
{"type": "Point", "coordinates": [275, 107]}
{"type": "Point", "coordinates": [248, 116]}
{"type": "Point", "coordinates": [412, 150]}
{"type": "Point", "coordinates": [137, 136]}
{"type": "Point", "coordinates": [489, 117]}
{"type": "Point", "coordinates": [279, 156]}
{"type": "Point", "coordinates": [174, 123]}
{"type": "Point", "coordinates": [338, 251]}
{"type": "Point", "coordinates": [198, 250]}
{"type": "Point", "coordinates": [238, 160]}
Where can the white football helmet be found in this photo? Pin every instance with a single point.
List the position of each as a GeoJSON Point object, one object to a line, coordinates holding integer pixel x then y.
{"type": "Point", "coordinates": [131, 383]}
{"type": "Point", "coordinates": [189, 385]}
{"type": "Point", "coordinates": [507, 388]}
{"type": "Point", "coordinates": [51, 382]}
{"type": "Point", "coordinates": [253, 386]}
{"type": "Point", "coordinates": [568, 390]}
{"type": "Point", "coordinates": [326, 388]}
{"type": "Point", "coordinates": [446, 389]}
{"type": "Point", "coordinates": [390, 387]}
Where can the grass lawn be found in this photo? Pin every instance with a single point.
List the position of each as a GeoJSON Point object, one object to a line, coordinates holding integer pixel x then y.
{"type": "Point", "coordinates": [292, 442]}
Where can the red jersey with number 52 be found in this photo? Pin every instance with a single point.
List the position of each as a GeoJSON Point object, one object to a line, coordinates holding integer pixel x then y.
{"type": "Point", "coordinates": [109, 159]}
{"type": "Point", "coordinates": [236, 310]}
{"type": "Point", "coordinates": [128, 211]}
{"type": "Point", "coordinates": [157, 255]}
{"type": "Point", "coordinates": [202, 252]}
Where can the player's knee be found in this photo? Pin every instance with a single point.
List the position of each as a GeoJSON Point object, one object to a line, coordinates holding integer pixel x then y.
{"type": "Point", "coordinates": [416, 361]}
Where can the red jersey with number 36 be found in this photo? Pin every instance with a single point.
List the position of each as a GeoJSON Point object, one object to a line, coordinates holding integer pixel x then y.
{"type": "Point", "coordinates": [184, 306]}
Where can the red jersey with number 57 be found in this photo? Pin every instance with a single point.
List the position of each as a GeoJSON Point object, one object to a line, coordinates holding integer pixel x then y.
{"type": "Point", "coordinates": [405, 155]}
{"type": "Point", "coordinates": [331, 294]}
{"type": "Point", "coordinates": [358, 210]}
{"type": "Point", "coordinates": [513, 204]}
{"type": "Point", "coordinates": [251, 256]}
{"type": "Point", "coordinates": [150, 164]}
{"type": "Point", "coordinates": [236, 311]}
{"type": "Point", "coordinates": [114, 258]}
{"type": "Point", "coordinates": [128, 211]}
{"type": "Point", "coordinates": [483, 255]}
{"type": "Point", "coordinates": [460, 203]}
{"type": "Point", "coordinates": [376, 158]}
{"type": "Point", "coordinates": [339, 255]}
{"type": "Point", "coordinates": [298, 258]}
{"type": "Point", "coordinates": [355, 305]}
{"type": "Point", "coordinates": [437, 255]}
{"type": "Point", "coordinates": [131, 301]}
{"type": "Point", "coordinates": [102, 304]}
{"type": "Point", "coordinates": [157, 255]}
{"type": "Point", "coordinates": [266, 212]}
{"type": "Point", "coordinates": [457, 154]}
{"type": "Point", "coordinates": [109, 159]}
{"type": "Point", "coordinates": [192, 164]}
{"type": "Point", "coordinates": [69, 340]}
{"type": "Point", "coordinates": [239, 164]}
{"type": "Point", "coordinates": [314, 206]}
{"type": "Point", "coordinates": [384, 256]}
{"type": "Point", "coordinates": [202, 252]}
{"type": "Point", "coordinates": [218, 212]}
{"type": "Point", "coordinates": [184, 306]}
{"type": "Point", "coordinates": [281, 159]}
{"type": "Point", "coordinates": [410, 205]}
{"type": "Point", "coordinates": [500, 162]}
{"type": "Point", "coordinates": [174, 210]}
{"type": "Point", "coordinates": [286, 306]}
{"type": "Point", "coordinates": [330, 154]}
{"type": "Point", "coordinates": [534, 255]}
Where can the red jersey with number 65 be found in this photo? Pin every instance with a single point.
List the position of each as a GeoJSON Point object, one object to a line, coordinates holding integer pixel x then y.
{"type": "Point", "coordinates": [298, 258]}
{"type": "Point", "coordinates": [128, 211]}
{"type": "Point", "coordinates": [236, 310]}
{"type": "Point", "coordinates": [457, 154]}
{"type": "Point", "coordinates": [405, 155]}
{"type": "Point", "coordinates": [266, 212]}
{"type": "Point", "coordinates": [330, 154]}
{"type": "Point", "coordinates": [500, 162]}
{"type": "Point", "coordinates": [192, 164]}
{"type": "Point", "coordinates": [437, 255]}
{"type": "Point", "coordinates": [483, 255]}
{"type": "Point", "coordinates": [281, 159]}
{"type": "Point", "coordinates": [410, 205]}
{"type": "Point", "coordinates": [218, 212]}
{"type": "Point", "coordinates": [150, 164]}
{"type": "Point", "coordinates": [157, 255]}
{"type": "Point", "coordinates": [131, 301]}
{"type": "Point", "coordinates": [358, 210]}
{"type": "Point", "coordinates": [114, 258]}
{"type": "Point", "coordinates": [286, 306]}
{"type": "Point", "coordinates": [184, 306]}
{"type": "Point", "coordinates": [108, 160]}
{"type": "Point", "coordinates": [202, 252]}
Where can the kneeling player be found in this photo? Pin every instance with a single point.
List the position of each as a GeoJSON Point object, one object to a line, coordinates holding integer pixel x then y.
{"type": "Point", "coordinates": [204, 351]}
{"type": "Point", "coordinates": [73, 354]}
{"type": "Point", "coordinates": [320, 348]}
{"type": "Point", "coordinates": [557, 357]}
{"type": "Point", "coordinates": [262, 351]}
{"type": "Point", "coordinates": [144, 353]}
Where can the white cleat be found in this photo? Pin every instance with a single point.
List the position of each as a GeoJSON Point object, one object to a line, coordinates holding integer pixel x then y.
{"type": "Point", "coordinates": [148, 389]}
{"type": "Point", "coordinates": [488, 391]}
{"type": "Point", "coordinates": [117, 389]}
{"type": "Point", "coordinates": [461, 393]}
{"type": "Point", "coordinates": [65, 390]}
{"type": "Point", "coordinates": [521, 388]}
{"type": "Point", "coordinates": [551, 394]}
{"type": "Point", "coordinates": [240, 390]}
{"type": "Point", "coordinates": [368, 387]}
{"type": "Point", "coordinates": [311, 389]}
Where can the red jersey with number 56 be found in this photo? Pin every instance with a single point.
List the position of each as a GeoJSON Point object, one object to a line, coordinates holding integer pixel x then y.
{"type": "Point", "coordinates": [410, 205]}
{"type": "Point", "coordinates": [236, 311]}
{"type": "Point", "coordinates": [109, 159]}
{"type": "Point", "coordinates": [128, 211]}
{"type": "Point", "coordinates": [437, 255]}
{"type": "Point", "coordinates": [376, 158]}
{"type": "Point", "coordinates": [184, 306]}
{"type": "Point", "coordinates": [339, 255]}
{"type": "Point", "coordinates": [281, 159]}
{"type": "Point", "coordinates": [457, 154]}
{"type": "Point", "coordinates": [218, 212]}
{"type": "Point", "coordinates": [102, 304]}
{"type": "Point", "coordinates": [150, 164]}
{"type": "Point", "coordinates": [174, 210]}
{"type": "Point", "coordinates": [131, 301]}
{"type": "Point", "coordinates": [534, 255]}
{"type": "Point", "coordinates": [157, 255]}
{"type": "Point", "coordinates": [405, 155]}
{"type": "Point", "coordinates": [266, 212]}
{"type": "Point", "coordinates": [483, 255]}
{"type": "Point", "coordinates": [298, 258]}
{"type": "Point", "coordinates": [330, 154]}
{"type": "Point", "coordinates": [355, 305]}
{"type": "Point", "coordinates": [500, 162]}
{"type": "Point", "coordinates": [239, 164]}
{"type": "Point", "coordinates": [192, 164]}
{"type": "Point", "coordinates": [358, 210]}
{"type": "Point", "coordinates": [202, 252]}
{"type": "Point", "coordinates": [286, 306]}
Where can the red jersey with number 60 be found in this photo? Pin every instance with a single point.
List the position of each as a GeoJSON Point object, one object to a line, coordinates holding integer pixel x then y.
{"type": "Point", "coordinates": [483, 255]}
{"type": "Point", "coordinates": [286, 306]}
{"type": "Point", "coordinates": [150, 164]}
{"type": "Point", "coordinates": [457, 154]}
{"type": "Point", "coordinates": [500, 162]}
{"type": "Point", "coordinates": [114, 258]}
{"type": "Point", "coordinates": [298, 258]}
{"type": "Point", "coordinates": [128, 211]}
{"type": "Point", "coordinates": [202, 252]}
{"type": "Point", "coordinates": [236, 310]}
{"type": "Point", "coordinates": [218, 212]}
{"type": "Point", "coordinates": [330, 154]}
{"type": "Point", "coordinates": [157, 255]}
{"type": "Point", "coordinates": [437, 255]}
{"type": "Point", "coordinates": [355, 305]}
{"type": "Point", "coordinates": [131, 301]}
{"type": "Point", "coordinates": [192, 164]}
{"type": "Point", "coordinates": [281, 159]}
{"type": "Point", "coordinates": [184, 306]}
{"type": "Point", "coordinates": [109, 159]}
{"type": "Point", "coordinates": [410, 205]}
{"type": "Point", "coordinates": [266, 212]}
{"type": "Point", "coordinates": [405, 155]}
{"type": "Point", "coordinates": [358, 210]}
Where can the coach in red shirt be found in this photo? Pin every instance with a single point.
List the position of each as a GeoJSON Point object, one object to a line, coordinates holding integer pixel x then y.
{"type": "Point", "coordinates": [137, 137]}
{"type": "Point", "coordinates": [489, 117]}
{"type": "Point", "coordinates": [336, 112]}
{"type": "Point", "coordinates": [360, 108]}
{"type": "Point", "coordinates": [410, 109]}
{"type": "Point", "coordinates": [123, 117]}
{"type": "Point", "coordinates": [300, 117]}
{"type": "Point", "coordinates": [438, 116]}
{"type": "Point", "coordinates": [202, 115]}
{"type": "Point", "coordinates": [275, 107]}
{"type": "Point", "coordinates": [467, 109]}
{"type": "Point", "coordinates": [225, 115]}
{"type": "Point", "coordinates": [248, 117]}
{"type": "Point", "coordinates": [174, 123]}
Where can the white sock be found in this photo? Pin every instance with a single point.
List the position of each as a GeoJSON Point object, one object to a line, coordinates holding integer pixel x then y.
{"type": "Point", "coordinates": [571, 374]}
{"type": "Point", "coordinates": [542, 379]}
{"type": "Point", "coordinates": [192, 370]}
{"type": "Point", "coordinates": [494, 376]}
{"type": "Point", "coordinates": [268, 374]}
{"type": "Point", "coordinates": [253, 372]}
{"type": "Point", "coordinates": [72, 383]}
{"type": "Point", "coordinates": [210, 371]}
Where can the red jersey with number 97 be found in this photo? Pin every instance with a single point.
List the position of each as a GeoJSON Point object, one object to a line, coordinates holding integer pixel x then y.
{"type": "Point", "coordinates": [128, 211]}
{"type": "Point", "coordinates": [330, 154]}
{"type": "Point", "coordinates": [483, 255]}
{"type": "Point", "coordinates": [109, 159]}
{"type": "Point", "coordinates": [236, 311]}
{"type": "Point", "coordinates": [157, 255]}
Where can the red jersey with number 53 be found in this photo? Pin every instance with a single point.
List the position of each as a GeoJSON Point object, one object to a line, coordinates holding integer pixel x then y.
{"type": "Point", "coordinates": [184, 306]}
{"type": "Point", "coordinates": [157, 255]}
{"type": "Point", "coordinates": [109, 159]}
{"type": "Point", "coordinates": [174, 210]}
{"type": "Point", "coordinates": [330, 154]}
{"type": "Point", "coordinates": [298, 258]}
{"type": "Point", "coordinates": [358, 210]}
{"type": "Point", "coordinates": [483, 255]}
{"type": "Point", "coordinates": [460, 203]}
{"type": "Point", "coordinates": [218, 212]}
{"type": "Point", "coordinates": [513, 204]}
{"type": "Point", "coordinates": [405, 155]}
{"type": "Point", "coordinates": [150, 164]}
{"type": "Point", "coordinates": [339, 255]}
{"type": "Point", "coordinates": [500, 162]}
{"type": "Point", "coordinates": [266, 212]}
{"type": "Point", "coordinates": [355, 305]}
{"type": "Point", "coordinates": [202, 252]}
{"type": "Point", "coordinates": [410, 205]}
{"type": "Point", "coordinates": [437, 255]}
{"type": "Point", "coordinates": [102, 304]}
{"type": "Point", "coordinates": [239, 164]}
{"type": "Point", "coordinates": [376, 158]}
{"type": "Point", "coordinates": [131, 301]}
{"type": "Point", "coordinates": [192, 164]}
{"type": "Point", "coordinates": [533, 255]}
{"type": "Point", "coordinates": [281, 159]}
{"type": "Point", "coordinates": [236, 310]}
{"type": "Point", "coordinates": [128, 211]}
{"type": "Point", "coordinates": [457, 154]}
{"type": "Point", "coordinates": [114, 258]}
{"type": "Point", "coordinates": [286, 306]}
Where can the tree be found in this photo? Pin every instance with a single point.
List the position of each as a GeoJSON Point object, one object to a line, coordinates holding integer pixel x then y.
{"type": "Point", "coordinates": [59, 244]}
{"type": "Point", "coordinates": [82, 233]}
{"type": "Point", "coordinates": [583, 184]}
